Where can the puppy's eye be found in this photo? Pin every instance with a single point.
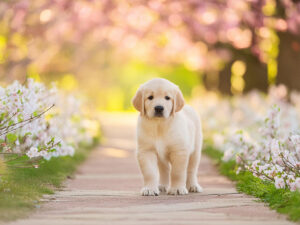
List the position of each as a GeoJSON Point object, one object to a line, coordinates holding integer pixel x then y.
{"type": "Point", "coordinates": [167, 97]}
{"type": "Point", "coordinates": [150, 97]}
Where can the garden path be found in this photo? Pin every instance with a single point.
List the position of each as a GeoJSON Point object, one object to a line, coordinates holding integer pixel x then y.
{"type": "Point", "coordinates": [105, 190]}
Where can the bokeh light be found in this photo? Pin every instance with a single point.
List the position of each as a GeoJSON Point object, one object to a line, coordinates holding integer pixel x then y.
{"type": "Point", "coordinates": [105, 48]}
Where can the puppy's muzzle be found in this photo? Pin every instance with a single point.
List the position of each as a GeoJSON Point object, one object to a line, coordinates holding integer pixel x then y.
{"type": "Point", "coordinates": [159, 110]}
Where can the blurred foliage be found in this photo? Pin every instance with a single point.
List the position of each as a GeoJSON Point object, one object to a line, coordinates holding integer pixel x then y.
{"type": "Point", "coordinates": [107, 48]}
{"type": "Point", "coordinates": [117, 92]}
{"type": "Point", "coordinates": [113, 88]}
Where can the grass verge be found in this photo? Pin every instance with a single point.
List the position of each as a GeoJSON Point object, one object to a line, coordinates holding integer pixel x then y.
{"type": "Point", "coordinates": [22, 188]}
{"type": "Point", "coordinates": [282, 200]}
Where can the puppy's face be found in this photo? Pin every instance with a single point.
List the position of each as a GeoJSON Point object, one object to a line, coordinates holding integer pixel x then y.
{"type": "Point", "coordinates": [158, 98]}
{"type": "Point", "coordinates": [158, 102]}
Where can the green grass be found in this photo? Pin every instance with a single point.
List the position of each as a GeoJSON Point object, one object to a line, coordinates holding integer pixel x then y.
{"type": "Point", "coordinates": [22, 188]}
{"type": "Point", "coordinates": [281, 200]}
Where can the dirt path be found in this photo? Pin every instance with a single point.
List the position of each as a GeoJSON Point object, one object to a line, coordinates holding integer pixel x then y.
{"type": "Point", "coordinates": [106, 191]}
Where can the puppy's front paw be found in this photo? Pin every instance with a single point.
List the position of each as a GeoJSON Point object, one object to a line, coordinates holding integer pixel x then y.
{"type": "Point", "coordinates": [177, 191]}
{"type": "Point", "coordinates": [146, 191]}
{"type": "Point", "coordinates": [195, 188]}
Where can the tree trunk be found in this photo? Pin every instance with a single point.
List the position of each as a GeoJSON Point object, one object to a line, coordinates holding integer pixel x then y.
{"type": "Point", "coordinates": [224, 79]}
{"type": "Point", "coordinates": [256, 75]}
{"type": "Point", "coordinates": [289, 61]}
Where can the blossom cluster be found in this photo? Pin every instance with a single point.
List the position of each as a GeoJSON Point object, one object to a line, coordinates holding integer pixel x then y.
{"type": "Point", "coordinates": [191, 32]}
{"type": "Point", "coordinates": [40, 122]}
{"type": "Point", "coordinates": [261, 132]}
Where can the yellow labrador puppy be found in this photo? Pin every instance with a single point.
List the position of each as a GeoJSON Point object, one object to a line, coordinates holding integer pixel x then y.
{"type": "Point", "coordinates": [169, 139]}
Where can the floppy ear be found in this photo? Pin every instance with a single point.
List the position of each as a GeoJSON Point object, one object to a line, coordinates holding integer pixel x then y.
{"type": "Point", "coordinates": [138, 101]}
{"type": "Point", "coordinates": [178, 102]}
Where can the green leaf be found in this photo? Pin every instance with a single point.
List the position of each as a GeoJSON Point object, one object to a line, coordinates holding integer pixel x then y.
{"type": "Point", "coordinates": [11, 138]}
{"type": "Point", "coordinates": [28, 133]}
{"type": "Point", "coordinates": [51, 141]}
{"type": "Point", "coordinates": [2, 115]}
{"type": "Point", "coordinates": [35, 114]}
{"type": "Point", "coordinates": [20, 118]}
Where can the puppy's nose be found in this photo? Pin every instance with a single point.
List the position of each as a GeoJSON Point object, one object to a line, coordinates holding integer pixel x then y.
{"type": "Point", "coordinates": [159, 108]}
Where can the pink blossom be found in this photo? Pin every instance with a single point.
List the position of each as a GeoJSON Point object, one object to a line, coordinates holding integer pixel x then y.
{"type": "Point", "coordinates": [279, 183]}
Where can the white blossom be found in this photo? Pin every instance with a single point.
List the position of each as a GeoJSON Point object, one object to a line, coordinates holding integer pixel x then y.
{"type": "Point", "coordinates": [36, 129]}
{"type": "Point", "coordinates": [262, 133]}
{"type": "Point", "coordinates": [279, 182]}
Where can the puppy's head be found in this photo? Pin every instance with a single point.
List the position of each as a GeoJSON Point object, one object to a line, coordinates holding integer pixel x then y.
{"type": "Point", "coordinates": [158, 98]}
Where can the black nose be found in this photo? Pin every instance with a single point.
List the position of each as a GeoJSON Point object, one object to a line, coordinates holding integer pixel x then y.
{"type": "Point", "coordinates": [159, 109]}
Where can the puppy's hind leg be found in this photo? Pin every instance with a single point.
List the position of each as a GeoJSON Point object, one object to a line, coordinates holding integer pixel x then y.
{"type": "Point", "coordinates": [148, 165]}
{"type": "Point", "coordinates": [164, 174]}
{"type": "Point", "coordinates": [192, 171]}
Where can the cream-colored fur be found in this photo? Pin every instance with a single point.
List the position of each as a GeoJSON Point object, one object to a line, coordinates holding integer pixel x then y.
{"type": "Point", "coordinates": [169, 146]}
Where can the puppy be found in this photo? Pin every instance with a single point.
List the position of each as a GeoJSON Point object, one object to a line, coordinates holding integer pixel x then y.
{"type": "Point", "coordinates": [169, 139]}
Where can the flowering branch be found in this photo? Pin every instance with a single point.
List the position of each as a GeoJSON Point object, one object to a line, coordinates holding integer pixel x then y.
{"type": "Point", "coordinates": [12, 127]}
